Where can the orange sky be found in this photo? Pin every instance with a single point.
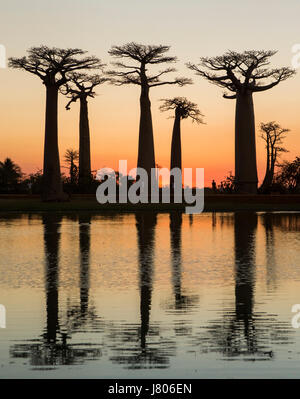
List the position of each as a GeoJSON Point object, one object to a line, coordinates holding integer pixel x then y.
{"type": "Point", "coordinates": [192, 31]}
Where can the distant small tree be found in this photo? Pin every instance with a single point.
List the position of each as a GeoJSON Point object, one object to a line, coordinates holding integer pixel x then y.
{"type": "Point", "coordinates": [243, 74]}
{"type": "Point", "coordinates": [228, 185]}
{"type": "Point", "coordinates": [183, 109]}
{"type": "Point", "coordinates": [136, 73]}
{"type": "Point", "coordinates": [288, 175]}
{"type": "Point", "coordinates": [52, 66]}
{"type": "Point", "coordinates": [71, 157]}
{"type": "Point", "coordinates": [34, 182]}
{"type": "Point", "coordinates": [81, 87]}
{"type": "Point", "coordinates": [273, 134]}
{"type": "Point", "coordinates": [10, 175]}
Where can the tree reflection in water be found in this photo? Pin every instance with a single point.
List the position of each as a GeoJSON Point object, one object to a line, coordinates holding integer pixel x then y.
{"type": "Point", "coordinates": [53, 348]}
{"type": "Point", "coordinates": [181, 301]}
{"type": "Point", "coordinates": [242, 332]}
{"type": "Point", "coordinates": [141, 346]}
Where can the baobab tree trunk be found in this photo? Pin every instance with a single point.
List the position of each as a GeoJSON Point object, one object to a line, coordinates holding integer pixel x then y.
{"type": "Point", "coordinates": [269, 177]}
{"type": "Point", "coordinates": [84, 146]}
{"type": "Point", "coordinates": [175, 147]}
{"type": "Point", "coordinates": [146, 158]}
{"type": "Point", "coordinates": [245, 148]}
{"type": "Point", "coordinates": [265, 183]}
{"type": "Point", "coordinates": [272, 168]}
{"type": "Point", "coordinates": [52, 185]}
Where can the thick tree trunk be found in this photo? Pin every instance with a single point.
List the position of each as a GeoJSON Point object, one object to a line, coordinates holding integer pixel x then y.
{"type": "Point", "coordinates": [245, 148]}
{"type": "Point", "coordinates": [269, 177]}
{"type": "Point", "coordinates": [265, 184]}
{"type": "Point", "coordinates": [52, 185]}
{"type": "Point", "coordinates": [175, 147]}
{"type": "Point", "coordinates": [84, 146]}
{"type": "Point", "coordinates": [272, 168]}
{"type": "Point", "coordinates": [146, 158]}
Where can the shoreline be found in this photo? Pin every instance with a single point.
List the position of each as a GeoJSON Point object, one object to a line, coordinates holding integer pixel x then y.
{"type": "Point", "coordinates": [213, 203]}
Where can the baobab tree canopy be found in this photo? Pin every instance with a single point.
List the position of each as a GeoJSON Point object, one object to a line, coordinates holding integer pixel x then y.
{"type": "Point", "coordinates": [273, 134]}
{"type": "Point", "coordinates": [81, 85]}
{"type": "Point", "coordinates": [242, 72]}
{"type": "Point", "coordinates": [184, 108]}
{"type": "Point", "coordinates": [52, 64]}
{"type": "Point", "coordinates": [142, 55]}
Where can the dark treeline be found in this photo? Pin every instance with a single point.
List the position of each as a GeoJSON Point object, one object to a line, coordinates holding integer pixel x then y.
{"type": "Point", "coordinates": [65, 71]}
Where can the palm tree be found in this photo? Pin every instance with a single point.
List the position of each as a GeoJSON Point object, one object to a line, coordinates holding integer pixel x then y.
{"type": "Point", "coordinates": [183, 109]}
{"type": "Point", "coordinates": [71, 156]}
{"type": "Point", "coordinates": [10, 174]}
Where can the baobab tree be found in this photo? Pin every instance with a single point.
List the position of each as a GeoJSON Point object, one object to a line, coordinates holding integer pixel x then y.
{"type": "Point", "coordinates": [136, 73]}
{"type": "Point", "coordinates": [273, 134]}
{"type": "Point", "coordinates": [81, 86]}
{"type": "Point", "coordinates": [243, 74]}
{"type": "Point", "coordinates": [52, 66]}
{"type": "Point", "coordinates": [183, 109]}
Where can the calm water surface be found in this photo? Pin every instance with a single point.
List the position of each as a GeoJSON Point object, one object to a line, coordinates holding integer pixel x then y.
{"type": "Point", "coordinates": [148, 295]}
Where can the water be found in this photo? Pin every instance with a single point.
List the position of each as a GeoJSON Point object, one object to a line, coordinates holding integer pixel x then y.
{"type": "Point", "coordinates": [150, 295]}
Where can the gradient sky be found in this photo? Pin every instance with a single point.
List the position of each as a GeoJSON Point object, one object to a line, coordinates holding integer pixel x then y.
{"type": "Point", "coordinates": [192, 28]}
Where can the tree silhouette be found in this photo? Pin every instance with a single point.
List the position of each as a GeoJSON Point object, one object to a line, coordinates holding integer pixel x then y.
{"type": "Point", "coordinates": [54, 347]}
{"type": "Point", "coordinates": [181, 301]}
{"type": "Point", "coordinates": [289, 175]}
{"type": "Point", "coordinates": [52, 65]}
{"type": "Point", "coordinates": [71, 156]}
{"type": "Point", "coordinates": [137, 74]}
{"type": "Point", "coordinates": [243, 74]}
{"type": "Point", "coordinates": [243, 331]}
{"type": "Point", "coordinates": [272, 134]}
{"type": "Point", "coordinates": [81, 86]}
{"type": "Point", "coordinates": [10, 174]}
{"type": "Point", "coordinates": [183, 109]}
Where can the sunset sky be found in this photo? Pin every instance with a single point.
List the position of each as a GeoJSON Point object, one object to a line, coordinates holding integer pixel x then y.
{"type": "Point", "coordinates": [192, 28]}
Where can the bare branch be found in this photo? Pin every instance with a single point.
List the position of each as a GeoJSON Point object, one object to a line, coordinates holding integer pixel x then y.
{"type": "Point", "coordinates": [183, 108]}
{"type": "Point", "coordinates": [242, 71]}
{"type": "Point", "coordinates": [177, 81]}
{"type": "Point", "coordinates": [141, 55]}
{"type": "Point", "coordinates": [280, 75]}
{"type": "Point", "coordinates": [52, 64]}
{"type": "Point", "coordinates": [81, 85]}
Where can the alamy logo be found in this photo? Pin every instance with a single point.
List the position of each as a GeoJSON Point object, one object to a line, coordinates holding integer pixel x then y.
{"type": "Point", "coordinates": [296, 318]}
{"type": "Point", "coordinates": [2, 316]}
{"type": "Point", "coordinates": [2, 56]}
{"type": "Point", "coordinates": [138, 190]}
{"type": "Point", "coordinates": [296, 57]}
